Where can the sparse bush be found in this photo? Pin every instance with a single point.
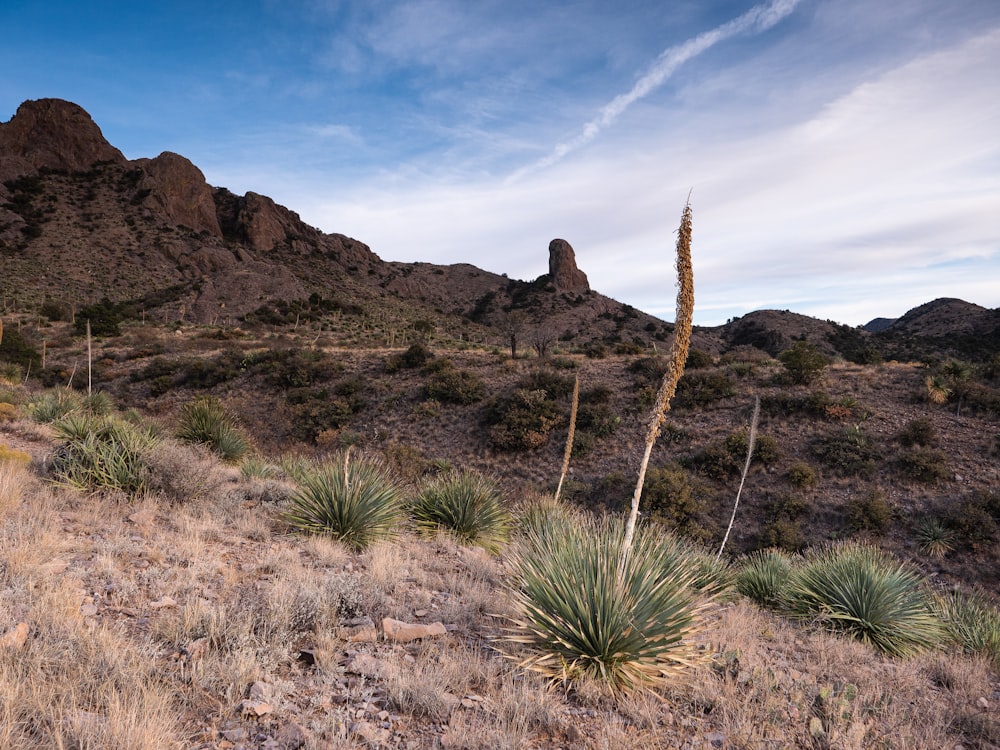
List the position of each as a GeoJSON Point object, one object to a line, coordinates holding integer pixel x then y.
{"type": "Point", "coordinates": [417, 355]}
{"type": "Point", "coordinates": [578, 618]}
{"type": "Point", "coordinates": [869, 512]}
{"type": "Point", "coordinates": [206, 422]}
{"type": "Point", "coordinates": [801, 475]}
{"type": "Point", "coordinates": [13, 455]}
{"type": "Point", "coordinates": [698, 359]}
{"type": "Point", "coordinates": [763, 575]}
{"type": "Point", "coordinates": [863, 592]}
{"type": "Point", "coordinates": [919, 432]}
{"type": "Point", "coordinates": [923, 465]}
{"type": "Point", "coordinates": [702, 388]}
{"type": "Point", "coordinates": [8, 412]}
{"type": "Point", "coordinates": [356, 501]}
{"type": "Point", "coordinates": [849, 452]}
{"type": "Point", "coordinates": [669, 496]}
{"type": "Point", "coordinates": [466, 504]}
{"type": "Point", "coordinates": [803, 362]}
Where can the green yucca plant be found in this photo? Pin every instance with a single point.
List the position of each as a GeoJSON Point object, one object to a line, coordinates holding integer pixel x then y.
{"type": "Point", "coordinates": [54, 404]}
{"type": "Point", "coordinates": [763, 575]}
{"type": "Point", "coordinates": [466, 504]}
{"type": "Point", "coordinates": [972, 623]}
{"type": "Point", "coordinates": [581, 616]}
{"type": "Point", "coordinates": [934, 538]}
{"type": "Point", "coordinates": [859, 590]}
{"type": "Point", "coordinates": [98, 403]}
{"type": "Point", "coordinates": [103, 453]}
{"type": "Point", "coordinates": [205, 421]}
{"type": "Point", "coordinates": [356, 501]}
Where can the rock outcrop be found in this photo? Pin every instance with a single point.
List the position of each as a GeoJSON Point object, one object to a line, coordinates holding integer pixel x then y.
{"type": "Point", "coordinates": [178, 192]}
{"type": "Point", "coordinates": [563, 273]}
{"type": "Point", "coordinates": [52, 134]}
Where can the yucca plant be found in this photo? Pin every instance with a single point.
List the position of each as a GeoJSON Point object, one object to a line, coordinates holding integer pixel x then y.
{"type": "Point", "coordinates": [581, 617]}
{"type": "Point", "coordinates": [103, 453]}
{"type": "Point", "coordinates": [205, 421]}
{"type": "Point", "coordinates": [466, 504]}
{"type": "Point", "coordinates": [763, 575]}
{"type": "Point", "coordinates": [356, 501]}
{"type": "Point", "coordinates": [863, 592]}
{"type": "Point", "coordinates": [934, 538]}
{"type": "Point", "coordinates": [972, 623]}
{"type": "Point", "coordinates": [54, 404]}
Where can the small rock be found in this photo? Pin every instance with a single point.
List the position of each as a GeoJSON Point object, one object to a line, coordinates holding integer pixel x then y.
{"type": "Point", "coordinates": [361, 630]}
{"type": "Point", "coordinates": [716, 739]}
{"type": "Point", "coordinates": [196, 649]}
{"type": "Point", "coordinates": [16, 637]}
{"type": "Point", "coordinates": [369, 732]}
{"type": "Point", "coordinates": [403, 632]}
{"type": "Point", "coordinates": [366, 665]}
{"type": "Point", "coordinates": [261, 691]}
{"type": "Point", "coordinates": [255, 708]}
{"type": "Point", "coordinates": [88, 610]}
{"type": "Point", "coordinates": [983, 703]}
{"type": "Point", "coordinates": [163, 602]}
{"type": "Point", "coordinates": [420, 613]}
{"type": "Point", "coordinates": [291, 736]}
{"type": "Point", "coordinates": [235, 734]}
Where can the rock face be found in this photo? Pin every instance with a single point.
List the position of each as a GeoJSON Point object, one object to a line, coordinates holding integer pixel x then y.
{"type": "Point", "coordinates": [177, 188]}
{"type": "Point", "coordinates": [564, 274]}
{"type": "Point", "coordinates": [54, 134]}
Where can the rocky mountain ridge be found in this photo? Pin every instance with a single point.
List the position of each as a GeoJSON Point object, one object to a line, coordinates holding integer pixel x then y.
{"type": "Point", "coordinates": [79, 222]}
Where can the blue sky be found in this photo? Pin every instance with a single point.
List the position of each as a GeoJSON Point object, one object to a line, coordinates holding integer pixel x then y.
{"type": "Point", "coordinates": [843, 156]}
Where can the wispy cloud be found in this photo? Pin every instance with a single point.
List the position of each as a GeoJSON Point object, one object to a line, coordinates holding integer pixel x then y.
{"type": "Point", "coordinates": [756, 20]}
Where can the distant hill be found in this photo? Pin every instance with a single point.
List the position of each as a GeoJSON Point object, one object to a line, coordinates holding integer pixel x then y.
{"type": "Point", "coordinates": [80, 223]}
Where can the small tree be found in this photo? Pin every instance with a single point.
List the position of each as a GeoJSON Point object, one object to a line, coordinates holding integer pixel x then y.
{"type": "Point", "coordinates": [803, 362]}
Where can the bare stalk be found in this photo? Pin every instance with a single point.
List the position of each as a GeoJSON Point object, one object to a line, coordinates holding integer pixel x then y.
{"type": "Point", "coordinates": [675, 368]}
{"type": "Point", "coordinates": [751, 444]}
{"type": "Point", "coordinates": [570, 435]}
{"type": "Point", "coordinates": [90, 361]}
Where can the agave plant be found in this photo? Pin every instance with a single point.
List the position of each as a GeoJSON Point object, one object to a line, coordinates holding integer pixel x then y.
{"type": "Point", "coordinates": [934, 538]}
{"type": "Point", "coordinates": [103, 453]}
{"type": "Point", "coordinates": [356, 501]}
{"type": "Point", "coordinates": [466, 504]}
{"type": "Point", "coordinates": [859, 590]}
{"type": "Point", "coordinates": [763, 576]}
{"type": "Point", "coordinates": [582, 615]}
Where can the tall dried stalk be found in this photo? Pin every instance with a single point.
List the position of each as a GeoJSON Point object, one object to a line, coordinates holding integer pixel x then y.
{"type": "Point", "coordinates": [751, 444]}
{"type": "Point", "coordinates": [570, 435]}
{"type": "Point", "coordinates": [675, 368]}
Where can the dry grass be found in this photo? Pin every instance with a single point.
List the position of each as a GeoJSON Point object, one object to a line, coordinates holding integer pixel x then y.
{"type": "Point", "coordinates": [150, 620]}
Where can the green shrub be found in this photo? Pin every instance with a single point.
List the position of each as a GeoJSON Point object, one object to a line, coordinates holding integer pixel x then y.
{"type": "Point", "coordinates": [579, 619]}
{"type": "Point", "coordinates": [103, 453]}
{"type": "Point", "coordinates": [669, 497]}
{"type": "Point", "coordinates": [763, 575]}
{"type": "Point", "coordinates": [466, 504]}
{"type": "Point", "coordinates": [869, 512]}
{"type": "Point", "coordinates": [205, 421]}
{"type": "Point", "coordinates": [924, 465]}
{"type": "Point", "coordinates": [453, 386]}
{"type": "Point", "coordinates": [353, 500]}
{"type": "Point", "coordinates": [801, 475]}
{"type": "Point", "coordinates": [105, 318]}
{"type": "Point", "coordinates": [15, 350]}
{"type": "Point", "coordinates": [54, 404]}
{"type": "Point", "coordinates": [863, 592]}
{"type": "Point", "coordinates": [702, 388]}
{"type": "Point", "coordinates": [697, 359]}
{"type": "Point", "coordinates": [803, 362]}
{"type": "Point", "coordinates": [919, 431]}
{"type": "Point", "coordinates": [522, 420]}
{"type": "Point", "coordinates": [935, 538]}
{"type": "Point", "coordinates": [417, 355]}
{"type": "Point", "coordinates": [849, 452]}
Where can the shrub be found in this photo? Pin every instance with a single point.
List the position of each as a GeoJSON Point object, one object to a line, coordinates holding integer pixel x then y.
{"type": "Point", "coordinates": [466, 504]}
{"type": "Point", "coordinates": [105, 318]}
{"type": "Point", "coordinates": [455, 386]}
{"type": "Point", "coordinates": [869, 512]}
{"type": "Point", "coordinates": [206, 422]}
{"type": "Point", "coordinates": [355, 501]}
{"type": "Point", "coordinates": [103, 453]}
{"type": "Point", "coordinates": [803, 362]}
{"type": "Point", "coordinates": [801, 475]}
{"type": "Point", "coordinates": [923, 465]}
{"type": "Point", "coordinates": [919, 431]}
{"type": "Point", "coordinates": [698, 359]}
{"type": "Point", "coordinates": [863, 592]}
{"type": "Point", "coordinates": [416, 356]}
{"type": "Point", "coordinates": [701, 388]}
{"type": "Point", "coordinates": [849, 452]}
{"type": "Point", "coordinates": [8, 412]}
{"type": "Point", "coordinates": [15, 350]}
{"type": "Point", "coordinates": [669, 496]}
{"type": "Point", "coordinates": [763, 575]}
{"type": "Point", "coordinates": [578, 618]}
{"type": "Point", "coordinates": [13, 455]}
{"type": "Point", "coordinates": [522, 420]}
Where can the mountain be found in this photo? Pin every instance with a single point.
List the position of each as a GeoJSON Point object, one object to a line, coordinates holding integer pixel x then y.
{"type": "Point", "coordinates": [80, 223]}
